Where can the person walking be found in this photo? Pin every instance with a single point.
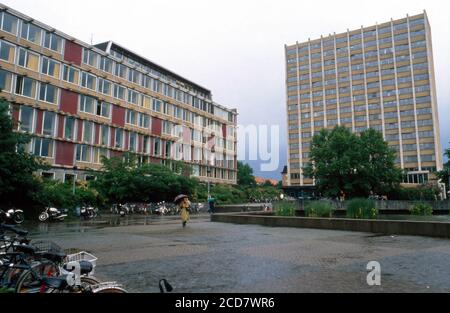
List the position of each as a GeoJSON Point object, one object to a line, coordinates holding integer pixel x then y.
{"type": "Point", "coordinates": [183, 203]}
{"type": "Point", "coordinates": [211, 205]}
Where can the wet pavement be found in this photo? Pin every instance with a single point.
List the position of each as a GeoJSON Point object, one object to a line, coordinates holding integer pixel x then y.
{"type": "Point", "coordinates": [207, 257]}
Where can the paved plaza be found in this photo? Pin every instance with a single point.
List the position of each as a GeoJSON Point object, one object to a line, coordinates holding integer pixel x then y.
{"type": "Point", "coordinates": [209, 257]}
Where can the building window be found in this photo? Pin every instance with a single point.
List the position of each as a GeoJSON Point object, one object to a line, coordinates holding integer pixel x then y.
{"type": "Point", "coordinates": [88, 132]}
{"type": "Point", "coordinates": [106, 64]}
{"type": "Point", "coordinates": [48, 175]}
{"type": "Point", "coordinates": [26, 119]}
{"type": "Point", "coordinates": [88, 104]}
{"type": "Point", "coordinates": [131, 117]}
{"type": "Point", "coordinates": [133, 142]}
{"type": "Point", "coordinates": [146, 102]}
{"type": "Point", "coordinates": [104, 109]}
{"type": "Point", "coordinates": [69, 128]}
{"type": "Point", "coordinates": [156, 105]}
{"type": "Point", "coordinates": [90, 57]}
{"type": "Point", "coordinates": [10, 23]}
{"type": "Point", "coordinates": [43, 147]}
{"type": "Point", "coordinates": [70, 74]}
{"type": "Point", "coordinates": [157, 147]}
{"type": "Point", "coordinates": [134, 76]}
{"type": "Point", "coordinates": [48, 128]}
{"type": "Point", "coordinates": [121, 71]}
{"type": "Point", "coordinates": [5, 81]}
{"type": "Point", "coordinates": [144, 120]}
{"type": "Point", "coordinates": [133, 96]}
{"type": "Point", "coordinates": [119, 92]}
{"type": "Point", "coordinates": [48, 93]}
{"type": "Point", "coordinates": [28, 60]}
{"type": "Point", "coordinates": [31, 33]}
{"type": "Point", "coordinates": [83, 153]}
{"type": "Point", "coordinates": [104, 86]}
{"type": "Point", "coordinates": [146, 148]}
{"type": "Point", "coordinates": [118, 143]}
{"type": "Point", "coordinates": [104, 138]}
{"type": "Point", "coordinates": [53, 42]}
{"type": "Point", "coordinates": [7, 52]}
{"type": "Point", "coordinates": [88, 81]}
{"type": "Point", "coordinates": [99, 153]}
{"type": "Point", "coordinates": [50, 67]}
{"type": "Point", "coordinates": [26, 87]}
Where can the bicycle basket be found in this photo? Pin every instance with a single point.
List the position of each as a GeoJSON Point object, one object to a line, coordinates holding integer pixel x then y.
{"type": "Point", "coordinates": [47, 246]}
{"type": "Point", "coordinates": [83, 256]}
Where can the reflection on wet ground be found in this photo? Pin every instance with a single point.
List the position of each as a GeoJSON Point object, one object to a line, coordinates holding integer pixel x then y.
{"type": "Point", "coordinates": [138, 251]}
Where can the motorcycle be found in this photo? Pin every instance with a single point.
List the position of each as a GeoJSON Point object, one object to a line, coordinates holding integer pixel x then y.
{"type": "Point", "coordinates": [88, 213]}
{"type": "Point", "coordinates": [52, 214]}
{"type": "Point", "coordinates": [12, 216]}
{"type": "Point", "coordinates": [119, 209]}
{"type": "Point", "coordinates": [161, 208]}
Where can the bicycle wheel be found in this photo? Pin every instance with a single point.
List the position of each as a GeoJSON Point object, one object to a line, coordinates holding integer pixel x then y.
{"type": "Point", "coordinates": [110, 290]}
{"type": "Point", "coordinates": [89, 280]}
{"type": "Point", "coordinates": [29, 282]}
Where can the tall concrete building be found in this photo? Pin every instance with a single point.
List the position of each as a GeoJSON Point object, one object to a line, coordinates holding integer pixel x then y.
{"type": "Point", "coordinates": [81, 102]}
{"type": "Point", "coordinates": [380, 77]}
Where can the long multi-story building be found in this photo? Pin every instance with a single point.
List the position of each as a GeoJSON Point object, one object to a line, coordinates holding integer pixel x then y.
{"type": "Point", "coordinates": [380, 77]}
{"type": "Point", "coordinates": [81, 102]}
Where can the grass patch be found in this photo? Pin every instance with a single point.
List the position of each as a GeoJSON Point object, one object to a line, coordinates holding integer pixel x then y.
{"type": "Point", "coordinates": [421, 209]}
{"type": "Point", "coordinates": [319, 209]}
{"type": "Point", "coordinates": [284, 209]}
{"type": "Point", "coordinates": [362, 209]}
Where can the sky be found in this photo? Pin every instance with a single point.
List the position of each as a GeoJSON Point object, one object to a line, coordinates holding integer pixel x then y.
{"type": "Point", "coordinates": [235, 48]}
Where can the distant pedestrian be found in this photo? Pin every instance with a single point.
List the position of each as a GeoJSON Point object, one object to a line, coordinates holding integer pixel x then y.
{"type": "Point", "coordinates": [211, 205]}
{"type": "Point", "coordinates": [182, 201]}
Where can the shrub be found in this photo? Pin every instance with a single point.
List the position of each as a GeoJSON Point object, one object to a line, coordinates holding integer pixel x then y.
{"type": "Point", "coordinates": [318, 209]}
{"type": "Point", "coordinates": [421, 209]}
{"type": "Point", "coordinates": [423, 192]}
{"type": "Point", "coordinates": [284, 208]}
{"type": "Point", "coordinates": [6, 290]}
{"type": "Point", "coordinates": [362, 209]}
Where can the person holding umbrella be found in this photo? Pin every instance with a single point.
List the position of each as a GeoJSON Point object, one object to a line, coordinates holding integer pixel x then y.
{"type": "Point", "coordinates": [182, 201]}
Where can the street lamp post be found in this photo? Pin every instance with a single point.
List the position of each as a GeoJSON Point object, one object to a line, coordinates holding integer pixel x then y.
{"type": "Point", "coordinates": [208, 170]}
{"type": "Point", "coordinates": [448, 171]}
{"type": "Point", "coordinates": [74, 180]}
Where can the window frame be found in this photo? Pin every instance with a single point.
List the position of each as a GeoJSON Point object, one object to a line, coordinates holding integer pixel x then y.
{"type": "Point", "coordinates": [57, 93]}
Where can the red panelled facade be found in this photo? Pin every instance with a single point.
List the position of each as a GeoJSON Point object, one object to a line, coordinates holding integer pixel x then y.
{"type": "Point", "coordinates": [80, 130]}
{"type": "Point", "coordinates": [60, 126]}
{"type": "Point", "coordinates": [15, 114]}
{"type": "Point", "coordinates": [97, 134]}
{"type": "Point", "coordinates": [73, 52]}
{"type": "Point", "coordinates": [156, 126]}
{"type": "Point", "coordinates": [39, 118]}
{"type": "Point", "coordinates": [156, 99]}
{"type": "Point", "coordinates": [118, 116]}
{"type": "Point", "coordinates": [64, 153]}
{"type": "Point", "coordinates": [69, 102]}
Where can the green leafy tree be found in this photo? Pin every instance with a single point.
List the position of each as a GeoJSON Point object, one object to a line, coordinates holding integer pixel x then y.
{"type": "Point", "coordinates": [124, 180]}
{"type": "Point", "coordinates": [245, 175]}
{"type": "Point", "coordinates": [17, 183]}
{"type": "Point", "coordinates": [226, 194]}
{"type": "Point", "coordinates": [443, 175]}
{"type": "Point", "coordinates": [356, 165]}
{"type": "Point", "coordinates": [378, 173]}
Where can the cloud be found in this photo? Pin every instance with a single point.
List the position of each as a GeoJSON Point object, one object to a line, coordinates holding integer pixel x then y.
{"type": "Point", "coordinates": [236, 48]}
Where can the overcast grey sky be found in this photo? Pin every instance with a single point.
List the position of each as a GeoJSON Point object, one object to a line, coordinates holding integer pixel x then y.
{"type": "Point", "coordinates": [236, 47]}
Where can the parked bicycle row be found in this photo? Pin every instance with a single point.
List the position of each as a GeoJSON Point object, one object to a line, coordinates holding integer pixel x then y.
{"type": "Point", "coordinates": [28, 266]}
{"type": "Point", "coordinates": [160, 208]}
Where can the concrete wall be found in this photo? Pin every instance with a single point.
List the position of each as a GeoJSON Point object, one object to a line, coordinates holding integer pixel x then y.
{"type": "Point", "coordinates": [415, 228]}
{"type": "Point", "coordinates": [384, 206]}
{"type": "Point", "coordinates": [251, 207]}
